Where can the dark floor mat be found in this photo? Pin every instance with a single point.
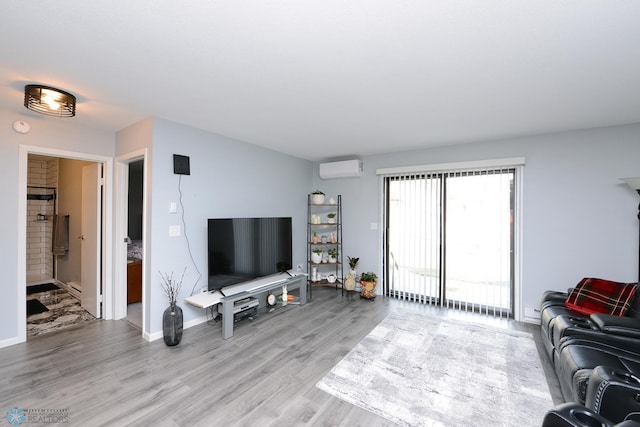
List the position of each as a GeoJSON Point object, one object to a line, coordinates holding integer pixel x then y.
{"type": "Point", "coordinates": [34, 307]}
{"type": "Point", "coordinates": [34, 289]}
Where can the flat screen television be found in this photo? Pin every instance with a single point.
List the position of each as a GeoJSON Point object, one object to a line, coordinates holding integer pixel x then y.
{"type": "Point", "coordinates": [242, 249]}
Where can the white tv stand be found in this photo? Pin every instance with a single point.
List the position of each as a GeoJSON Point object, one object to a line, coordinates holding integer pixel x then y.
{"type": "Point", "coordinates": [245, 290]}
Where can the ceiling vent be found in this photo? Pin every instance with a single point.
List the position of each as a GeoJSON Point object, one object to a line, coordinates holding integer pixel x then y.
{"type": "Point", "coordinates": [343, 169]}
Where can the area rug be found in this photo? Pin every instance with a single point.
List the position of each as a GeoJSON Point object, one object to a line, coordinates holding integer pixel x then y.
{"type": "Point", "coordinates": [35, 307]}
{"type": "Point", "coordinates": [419, 370]}
{"type": "Point", "coordinates": [44, 287]}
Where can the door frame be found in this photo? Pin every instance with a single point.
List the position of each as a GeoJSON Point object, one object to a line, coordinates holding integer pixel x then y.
{"type": "Point", "coordinates": [107, 228]}
{"type": "Point", "coordinates": [120, 227]}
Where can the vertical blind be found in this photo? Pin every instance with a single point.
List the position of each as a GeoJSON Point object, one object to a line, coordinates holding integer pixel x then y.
{"type": "Point", "coordinates": [449, 238]}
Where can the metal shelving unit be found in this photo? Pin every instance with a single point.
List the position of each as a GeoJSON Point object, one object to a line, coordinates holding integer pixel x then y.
{"type": "Point", "coordinates": [323, 227]}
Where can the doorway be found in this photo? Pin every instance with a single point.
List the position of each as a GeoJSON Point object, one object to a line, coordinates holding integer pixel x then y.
{"type": "Point", "coordinates": [135, 205]}
{"type": "Point", "coordinates": [63, 243]}
{"type": "Point", "coordinates": [131, 250]}
{"type": "Point", "coordinates": [450, 239]}
{"type": "Point", "coordinates": [102, 230]}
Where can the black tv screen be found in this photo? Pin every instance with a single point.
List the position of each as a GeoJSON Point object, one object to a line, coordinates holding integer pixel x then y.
{"type": "Point", "coordinates": [242, 249]}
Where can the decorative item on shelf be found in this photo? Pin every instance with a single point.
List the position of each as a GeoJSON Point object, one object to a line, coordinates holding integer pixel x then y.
{"type": "Point", "coordinates": [353, 264]}
{"type": "Point", "coordinates": [350, 282]}
{"type": "Point", "coordinates": [332, 201]}
{"type": "Point", "coordinates": [316, 256]}
{"type": "Point", "coordinates": [331, 278]}
{"type": "Point", "coordinates": [331, 218]}
{"type": "Point", "coordinates": [284, 295]}
{"type": "Point", "coordinates": [333, 255]}
{"type": "Point", "coordinates": [315, 219]}
{"type": "Point", "coordinates": [323, 239]}
{"type": "Point", "coordinates": [317, 197]}
{"type": "Point", "coordinates": [314, 238]}
{"type": "Point", "coordinates": [271, 299]}
{"type": "Point", "coordinates": [314, 273]}
{"type": "Point", "coordinates": [368, 280]}
{"type": "Point", "coordinates": [333, 237]}
{"type": "Point", "coordinates": [172, 319]}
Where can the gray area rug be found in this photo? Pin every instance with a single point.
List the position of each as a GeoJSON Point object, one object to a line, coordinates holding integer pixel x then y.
{"type": "Point", "coordinates": [419, 370]}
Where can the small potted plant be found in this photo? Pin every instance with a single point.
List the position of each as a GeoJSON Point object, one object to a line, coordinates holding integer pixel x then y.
{"type": "Point", "coordinates": [317, 197]}
{"type": "Point", "coordinates": [314, 238]}
{"type": "Point", "coordinates": [353, 264]}
{"type": "Point", "coordinates": [333, 255]}
{"type": "Point", "coordinates": [331, 218]}
{"type": "Point", "coordinates": [316, 256]}
{"type": "Point", "coordinates": [368, 280]}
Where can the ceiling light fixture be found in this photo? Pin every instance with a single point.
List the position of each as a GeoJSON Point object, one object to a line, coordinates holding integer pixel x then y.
{"type": "Point", "coordinates": [50, 101]}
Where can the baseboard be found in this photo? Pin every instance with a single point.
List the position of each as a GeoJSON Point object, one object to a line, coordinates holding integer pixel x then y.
{"type": "Point", "coordinates": [191, 323]}
{"type": "Point", "coordinates": [533, 320]}
{"type": "Point", "coordinates": [9, 342]}
{"type": "Point", "coordinates": [70, 287]}
{"type": "Point", "coordinates": [195, 322]}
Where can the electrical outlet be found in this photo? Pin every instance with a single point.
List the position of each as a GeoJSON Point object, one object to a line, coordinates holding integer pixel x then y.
{"type": "Point", "coordinates": [299, 267]}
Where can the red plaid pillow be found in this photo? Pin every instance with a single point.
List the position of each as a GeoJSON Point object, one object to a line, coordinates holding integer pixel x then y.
{"type": "Point", "coordinates": [601, 296]}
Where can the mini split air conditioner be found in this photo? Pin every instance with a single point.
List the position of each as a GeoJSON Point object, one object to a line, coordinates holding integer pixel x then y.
{"type": "Point", "coordinates": [343, 169]}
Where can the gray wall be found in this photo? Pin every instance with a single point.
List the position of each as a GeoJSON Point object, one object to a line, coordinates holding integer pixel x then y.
{"type": "Point", "coordinates": [228, 179]}
{"type": "Point", "coordinates": [579, 219]}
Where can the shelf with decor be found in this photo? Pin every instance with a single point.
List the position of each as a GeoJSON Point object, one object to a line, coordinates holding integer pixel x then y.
{"type": "Point", "coordinates": [324, 241]}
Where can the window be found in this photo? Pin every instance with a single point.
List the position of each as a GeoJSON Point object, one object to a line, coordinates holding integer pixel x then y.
{"type": "Point", "coordinates": [450, 237]}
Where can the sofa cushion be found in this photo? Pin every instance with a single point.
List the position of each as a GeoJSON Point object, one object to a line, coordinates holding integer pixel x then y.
{"type": "Point", "coordinates": [601, 296]}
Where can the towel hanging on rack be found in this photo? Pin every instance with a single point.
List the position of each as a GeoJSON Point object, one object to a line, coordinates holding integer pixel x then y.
{"type": "Point", "coordinates": [60, 235]}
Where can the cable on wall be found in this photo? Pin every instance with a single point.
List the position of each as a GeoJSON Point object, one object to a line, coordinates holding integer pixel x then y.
{"type": "Point", "coordinates": [186, 236]}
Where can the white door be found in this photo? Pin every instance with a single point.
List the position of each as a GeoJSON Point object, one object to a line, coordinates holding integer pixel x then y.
{"type": "Point", "coordinates": [90, 239]}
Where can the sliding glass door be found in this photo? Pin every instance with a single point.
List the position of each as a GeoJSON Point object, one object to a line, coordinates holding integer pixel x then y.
{"type": "Point", "coordinates": [450, 239]}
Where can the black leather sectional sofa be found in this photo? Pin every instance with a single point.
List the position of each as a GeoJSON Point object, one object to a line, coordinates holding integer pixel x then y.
{"type": "Point", "coordinates": [596, 356]}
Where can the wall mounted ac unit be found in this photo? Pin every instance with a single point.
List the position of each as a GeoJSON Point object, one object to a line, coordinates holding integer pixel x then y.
{"type": "Point", "coordinates": [343, 169]}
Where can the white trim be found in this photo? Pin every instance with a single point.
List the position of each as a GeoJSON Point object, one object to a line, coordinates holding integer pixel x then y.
{"type": "Point", "coordinates": [119, 248]}
{"type": "Point", "coordinates": [518, 309]}
{"type": "Point", "coordinates": [382, 284]}
{"type": "Point", "coordinates": [120, 232]}
{"type": "Point", "coordinates": [191, 323]}
{"type": "Point", "coordinates": [477, 164]}
{"type": "Point", "coordinates": [23, 168]}
{"type": "Point", "coordinates": [107, 270]}
{"type": "Point", "coordinates": [11, 341]}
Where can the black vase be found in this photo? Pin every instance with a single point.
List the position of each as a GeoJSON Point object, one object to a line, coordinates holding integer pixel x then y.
{"type": "Point", "coordinates": [172, 325]}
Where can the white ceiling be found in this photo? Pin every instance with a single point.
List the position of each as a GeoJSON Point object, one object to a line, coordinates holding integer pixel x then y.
{"type": "Point", "coordinates": [332, 78]}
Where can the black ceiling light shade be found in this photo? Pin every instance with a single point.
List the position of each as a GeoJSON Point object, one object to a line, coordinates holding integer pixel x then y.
{"type": "Point", "coordinates": [49, 100]}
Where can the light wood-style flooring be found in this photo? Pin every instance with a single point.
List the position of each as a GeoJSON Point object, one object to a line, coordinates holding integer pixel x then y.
{"type": "Point", "coordinates": [105, 374]}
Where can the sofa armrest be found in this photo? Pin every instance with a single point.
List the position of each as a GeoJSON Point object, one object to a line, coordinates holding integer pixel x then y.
{"type": "Point", "coordinates": [617, 325]}
{"type": "Point", "coordinates": [612, 393]}
{"type": "Point", "coordinates": [550, 298]}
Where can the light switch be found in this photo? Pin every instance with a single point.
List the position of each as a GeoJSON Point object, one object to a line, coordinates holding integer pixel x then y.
{"type": "Point", "coordinates": [174, 230]}
{"type": "Point", "coordinates": [173, 207]}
